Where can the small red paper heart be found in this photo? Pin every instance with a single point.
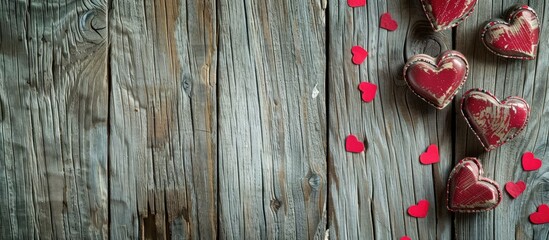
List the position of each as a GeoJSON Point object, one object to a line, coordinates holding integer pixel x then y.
{"type": "Point", "coordinates": [541, 216]}
{"type": "Point", "coordinates": [368, 91]}
{"type": "Point", "coordinates": [436, 80]}
{"type": "Point", "coordinates": [529, 162]}
{"type": "Point", "coordinates": [518, 37]}
{"type": "Point", "coordinates": [420, 210]}
{"type": "Point", "coordinates": [430, 156]}
{"type": "Point", "coordinates": [494, 122]}
{"type": "Point", "coordinates": [359, 54]}
{"type": "Point", "coordinates": [468, 191]}
{"type": "Point", "coordinates": [515, 189]}
{"type": "Point", "coordinates": [353, 145]}
{"type": "Point", "coordinates": [356, 3]}
{"type": "Point", "coordinates": [405, 238]}
{"type": "Point", "coordinates": [387, 22]}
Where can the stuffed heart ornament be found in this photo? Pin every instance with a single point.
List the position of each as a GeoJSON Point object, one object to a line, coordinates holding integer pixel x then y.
{"type": "Point", "coordinates": [468, 191]}
{"type": "Point", "coordinates": [444, 14]}
{"type": "Point", "coordinates": [436, 81]}
{"type": "Point", "coordinates": [518, 37]}
{"type": "Point", "coordinates": [494, 122]}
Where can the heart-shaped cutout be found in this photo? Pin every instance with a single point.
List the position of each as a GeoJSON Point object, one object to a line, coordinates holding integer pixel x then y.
{"type": "Point", "coordinates": [405, 238]}
{"type": "Point", "coordinates": [541, 216]}
{"type": "Point", "coordinates": [530, 162]}
{"type": "Point", "coordinates": [515, 189]}
{"type": "Point", "coordinates": [430, 156]}
{"type": "Point", "coordinates": [356, 3]}
{"type": "Point", "coordinates": [359, 54]}
{"type": "Point", "coordinates": [518, 37]}
{"type": "Point", "coordinates": [494, 122]}
{"type": "Point", "coordinates": [420, 210]}
{"type": "Point", "coordinates": [468, 191]}
{"type": "Point", "coordinates": [353, 145]}
{"type": "Point", "coordinates": [387, 22]}
{"type": "Point", "coordinates": [436, 81]}
{"type": "Point", "coordinates": [444, 14]}
{"type": "Point", "coordinates": [368, 91]}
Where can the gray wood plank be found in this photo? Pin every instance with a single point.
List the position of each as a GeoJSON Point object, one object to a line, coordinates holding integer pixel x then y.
{"type": "Point", "coordinates": [272, 123]}
{"type": "Point", "coordinates": [53, 126]}
{"type": "Point", "coordinates": [506, 78]}
{"type": "Point", "coordinates": [163, 147]}
{"type": "Point", "coordinates": [370, 192]}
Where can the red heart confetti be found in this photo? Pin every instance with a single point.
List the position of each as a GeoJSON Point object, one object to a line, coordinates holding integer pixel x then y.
{"type": "Point", "coordinates": [430, 156]}
{"type": "Point", "coordinates": [468, 191]}
{"type": "Point", "coordinates": [529, 162]}
{"type": "Point", "coordinates": [356, 3]}
{"type": "Point", "coordinates": [359, 54]}
{"type": "Point", "coordinates": [368, 91]}
{"type": "Point", "coordinates": [353, 145]}
{"type": "Point", "coordinates": [405, 238]}
{"type": "Point", "coordinates": [387, 22]}
{"type": "Point", "coordinates": [515, 189]}
{"type": "Point", "coordinates": [420, 210]}
{"type": "Point", "coordinates": [541, 216]}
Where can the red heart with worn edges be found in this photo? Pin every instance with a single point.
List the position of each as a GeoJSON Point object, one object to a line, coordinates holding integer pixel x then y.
{"type": "Point", "coordinates": [468, 191]}
{"type": "Point", "coordinates": [353, 145]}
{"type": "Point", "coordinates": [359, 54]}
{"type": "Point", "coordinates": [387, 22]}
{"type": "Point", "coordinates": [405, 238]}
{"type": "Point", "coordinates": [515, 189]}
{"type": "Point", "coordinates": [518, 37]}
{"type": "Point", "coordinates": [541, 216]}
{"type": "Point", "coordinates": [529, 162]}
{"type": "Point", "coordinates": [444, 14]}
{"type": "Point", "coordinates": [430, 156]}
{"type": "Point", "coordinates": [356, 3]}
{"type": "Point", "coordinates": [494, 122]}
{"type": "Point", "coordinates": [368, 91]}
{"type": "Point", "coordinates": [436, 81]}
{"type": "Point", "coordinates": [420, 210]}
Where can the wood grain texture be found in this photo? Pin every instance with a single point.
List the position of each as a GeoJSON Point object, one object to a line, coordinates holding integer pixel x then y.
{"type": "Point", "coordinates": [163, 147]}
{"type": "Point", "coordinates": [53, 127]}
{"type": "Point", "coordinates": [527, 79]}
{"type": "Point", "coordinates": [370, 192]}
{"type": "Point", "coordinates": [272, 124]}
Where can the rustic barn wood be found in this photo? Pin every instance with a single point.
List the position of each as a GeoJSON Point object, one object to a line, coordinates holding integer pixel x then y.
{"type": "Point", "coordinates": [206, 119]}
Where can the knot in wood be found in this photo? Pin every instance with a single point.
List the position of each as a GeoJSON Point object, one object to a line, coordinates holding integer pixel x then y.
{"type": "Point", "coordinates": [275, 204]}
{"type": "Point", "coordinates": [314, 181]}
{"type": "Point", "coordinates": [93, 26]}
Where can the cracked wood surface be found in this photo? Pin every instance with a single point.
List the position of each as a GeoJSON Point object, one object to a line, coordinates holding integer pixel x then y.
{"type": "Point", "coordinates": [205, 119]}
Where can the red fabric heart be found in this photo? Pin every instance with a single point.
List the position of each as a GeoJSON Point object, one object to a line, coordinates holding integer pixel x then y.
{"type": "Point", "coordinates": [494, 122]}
{"type": "Point", "coordinates": [405, 238]}
{"type": "Point", "coordinates": [444, 14]}
{"type": "Point", "coordinates": [420, 210]}
{"type": "Point", "coordinates": [468, 191]}
{"type": "Point", "coordinates": [436, 81]}
{"type": "Point", "coordinates": [359, 54]}
{"type": "Point", "coordinates": [368, 91]}
{"type": "Point", "coordinates": [353, 145]}
{"type": "Point", "coordinates": [517, 38]}
{"type": "Point", "coordinates": [529, 162]}
{"type": "Point", "coordinates": [430, 156]}
{"type": "Point", "coordinates": [387, 22]}
{"type": "Point", "coordinates": [541, 216]}
{"type": "Point", "coordinates": [515, 189]}
{"type": "Point", "coordinates": [356, 3]}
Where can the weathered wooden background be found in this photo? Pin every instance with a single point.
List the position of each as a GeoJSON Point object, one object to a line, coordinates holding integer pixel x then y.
{"type": "Point", "coordinates": [203, 119]}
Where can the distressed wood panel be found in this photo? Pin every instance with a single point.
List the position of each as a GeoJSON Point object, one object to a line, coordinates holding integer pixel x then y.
{"type": "Point", "coordinates": [163, 147]}
{"type": "Point", "coordinates": [370, 192]}
{"type": "Point", "coordinates": [53, 123]}
{"type": "Point", "coordinates": [272, 124]}
{"type": "Point", "coordinates": [506, 78]}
